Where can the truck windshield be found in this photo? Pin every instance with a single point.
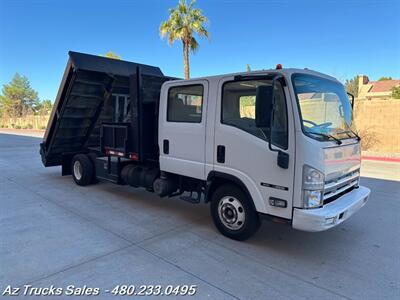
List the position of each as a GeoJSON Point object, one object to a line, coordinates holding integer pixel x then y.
{"type": "Point", "coordinates": [324, 107]}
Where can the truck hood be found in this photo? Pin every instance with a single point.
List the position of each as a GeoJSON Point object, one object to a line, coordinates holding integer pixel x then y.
{"type": "Point", "coordinates": [341, 160]}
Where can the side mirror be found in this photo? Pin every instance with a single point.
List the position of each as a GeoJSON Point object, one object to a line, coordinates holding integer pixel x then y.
{"type": "Point", "coordinates": [264, 103]}
{"type": "Point", "coordinates": [283, 160]}
{"type": "Point", "coordinates": [264, 115]}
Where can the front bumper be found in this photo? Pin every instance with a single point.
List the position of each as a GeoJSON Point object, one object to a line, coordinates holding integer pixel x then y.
{"type": "Point", "coordinates": [331, 214]}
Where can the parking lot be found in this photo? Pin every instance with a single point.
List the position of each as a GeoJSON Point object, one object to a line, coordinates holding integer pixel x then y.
{"type": "Point", "coordinates": [53, 232]}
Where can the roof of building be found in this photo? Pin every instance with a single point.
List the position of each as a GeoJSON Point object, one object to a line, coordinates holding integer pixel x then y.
{"type": "Point", "coordinates": [383, 86]}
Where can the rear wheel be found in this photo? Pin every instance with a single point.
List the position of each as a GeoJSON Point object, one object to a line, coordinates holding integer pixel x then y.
{"type": "Point", "coordinates": [82, 169]}
{"type": "Point", "coordinates": [233, 213]}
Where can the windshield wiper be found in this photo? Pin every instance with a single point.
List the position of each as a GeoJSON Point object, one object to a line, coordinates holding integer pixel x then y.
{"type": "Point", "coordinates": [353, 132]}
{"type": "Point", "coordinates": [349, 135]}
{"type": "Point", "coordinates": [327, 136]}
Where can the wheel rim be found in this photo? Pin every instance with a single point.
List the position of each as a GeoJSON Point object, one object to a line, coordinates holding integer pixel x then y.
{"type": "Point", "coordinates": [231, 213]}
{"type": "Point", "coordinates": [77, 170]}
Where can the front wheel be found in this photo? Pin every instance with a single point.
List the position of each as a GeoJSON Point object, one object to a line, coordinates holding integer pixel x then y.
{"type": "Point", "coordinates": [233, 213]}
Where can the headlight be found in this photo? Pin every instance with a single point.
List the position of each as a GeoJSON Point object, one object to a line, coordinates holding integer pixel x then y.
{"type": "Point", "coordinates": [312, 178]}
{"type": "Point", "coordinates": [313, 187]}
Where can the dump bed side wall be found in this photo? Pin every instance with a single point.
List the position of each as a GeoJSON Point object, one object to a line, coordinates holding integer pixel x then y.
{"type": "Point", "coordinates": [75, 113]}
{"type": "Point", "coordinates": [84, 103]}
{"type": "Point", "coordinates": [120, 85]}
{"type": "Point", "coordinates": [66, 77]}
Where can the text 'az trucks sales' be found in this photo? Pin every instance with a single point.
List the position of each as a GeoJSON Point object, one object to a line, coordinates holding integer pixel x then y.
{"type": "Point", "coordinates": [274, 144]}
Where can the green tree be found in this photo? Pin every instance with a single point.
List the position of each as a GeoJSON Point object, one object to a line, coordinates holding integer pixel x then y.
{"type": "Point", "coordinates": [248, 68]}
{"type": "Point", "coordinates": [396, 92]}
{"type": "Point", "coordinates": [113, 55]}
{"type": "Point", "coordinates": [17, 98]}
{"type": "Point", "coordinates": [351, 86]}
{"type": "Point", "coordinates": [383, 78]}
{"type": "Point", "coordinates": [45, 107]}
{"type": "Point", "coordinates": [185, 21]}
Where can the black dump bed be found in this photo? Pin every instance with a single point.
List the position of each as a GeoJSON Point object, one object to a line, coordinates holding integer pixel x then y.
{"type": "Point", "coordinates": [87, 99]}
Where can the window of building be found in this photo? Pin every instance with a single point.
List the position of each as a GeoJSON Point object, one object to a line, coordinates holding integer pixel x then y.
{"type": "Point", "coordinates": [185, 104]}
{"type": "Point", "coordinates": [238, 110]}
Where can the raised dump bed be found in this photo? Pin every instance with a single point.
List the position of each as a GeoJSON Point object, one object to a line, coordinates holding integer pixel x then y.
{"type": "Point", "coordinates": [97, 90]}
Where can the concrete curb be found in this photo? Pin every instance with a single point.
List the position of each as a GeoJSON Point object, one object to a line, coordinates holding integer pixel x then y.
{"type": "Point", "coordinates": [380, 158]}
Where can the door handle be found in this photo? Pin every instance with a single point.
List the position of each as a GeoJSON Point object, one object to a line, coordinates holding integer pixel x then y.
{"type": "Point", "coordinates": [221, 154]}
{"type": "Point", "coordinates": [166, 146]}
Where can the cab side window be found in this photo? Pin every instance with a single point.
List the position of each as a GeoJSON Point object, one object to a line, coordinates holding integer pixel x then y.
{"type": "Point", "coordinates": [238, 110]}
{"type": "Point", "coordinates": [185, 104]}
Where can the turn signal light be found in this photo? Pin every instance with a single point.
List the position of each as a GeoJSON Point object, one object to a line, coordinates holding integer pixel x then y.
{"type": "Point", "coordinates": [277, 202]}
{"type": "Point", "coordinates": [133, 156]}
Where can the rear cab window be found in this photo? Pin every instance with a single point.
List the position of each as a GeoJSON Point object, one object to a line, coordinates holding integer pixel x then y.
{"type": "Point", "coordinates": [185, 103]}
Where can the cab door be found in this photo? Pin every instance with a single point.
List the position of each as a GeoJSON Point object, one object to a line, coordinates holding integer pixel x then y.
{"type": "Point", "coordinates": [182, 124]}
{"type": "Point", "coordinates": [241, 148]}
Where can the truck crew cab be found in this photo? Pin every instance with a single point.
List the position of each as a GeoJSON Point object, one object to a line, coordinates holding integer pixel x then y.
{"type": "Point", "coordinates": [275, 144]}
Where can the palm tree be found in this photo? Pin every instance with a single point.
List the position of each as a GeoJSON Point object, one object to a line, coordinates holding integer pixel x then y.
{"type": "Point", "coordinates": [184, 21]}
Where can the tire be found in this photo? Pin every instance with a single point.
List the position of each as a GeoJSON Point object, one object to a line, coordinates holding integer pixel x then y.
{"type": "Point", "coordinates": [233, 213]}
{"type": "Point", "coordinates": [82, 170]}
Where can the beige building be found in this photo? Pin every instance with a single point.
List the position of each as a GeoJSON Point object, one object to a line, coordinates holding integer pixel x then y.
{"type": "Point", "coordinates": [375, 90]}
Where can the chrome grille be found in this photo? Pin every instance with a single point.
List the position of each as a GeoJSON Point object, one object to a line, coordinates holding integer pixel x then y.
{"type": "Point", "coordinates": [340, 184]}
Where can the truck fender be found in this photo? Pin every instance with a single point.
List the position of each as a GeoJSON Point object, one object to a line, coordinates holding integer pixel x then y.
{"type": "Point", "coordinates": [216, 179]}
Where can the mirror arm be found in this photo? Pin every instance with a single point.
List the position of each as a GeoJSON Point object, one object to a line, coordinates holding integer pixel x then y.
{"type": "Point", "coordinates": [352, 100]}
{"type": "Point", "coordinates": [262, 111]}
{"type": "Point", "coordinates": [282, 158]}
{"type": "Point", "coordinates": [272, 113]}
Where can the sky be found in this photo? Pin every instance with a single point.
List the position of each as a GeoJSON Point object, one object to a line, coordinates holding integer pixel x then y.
{"type": "Point", "coordinates": [342, 38]}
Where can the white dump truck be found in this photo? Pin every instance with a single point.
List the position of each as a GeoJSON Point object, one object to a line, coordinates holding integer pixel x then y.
{"type": "Point", "coordinates": [275, 144]}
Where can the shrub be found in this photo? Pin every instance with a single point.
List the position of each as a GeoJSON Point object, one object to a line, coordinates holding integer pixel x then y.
{"type": "Point", "coordinates": [42, 127]}
{"type": "Point", "coordinates": [17, 127]}
{"type": "Point", "coordinates": [368, 138]}
{"type": "Point", "coordinates": [12, 125]}
{"type": "Point", "coordinates": [29, 126]}
{"type": "Point", "coordinates": [396, 92]}
{"type": "Point", "coordinates": [24, 127]}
